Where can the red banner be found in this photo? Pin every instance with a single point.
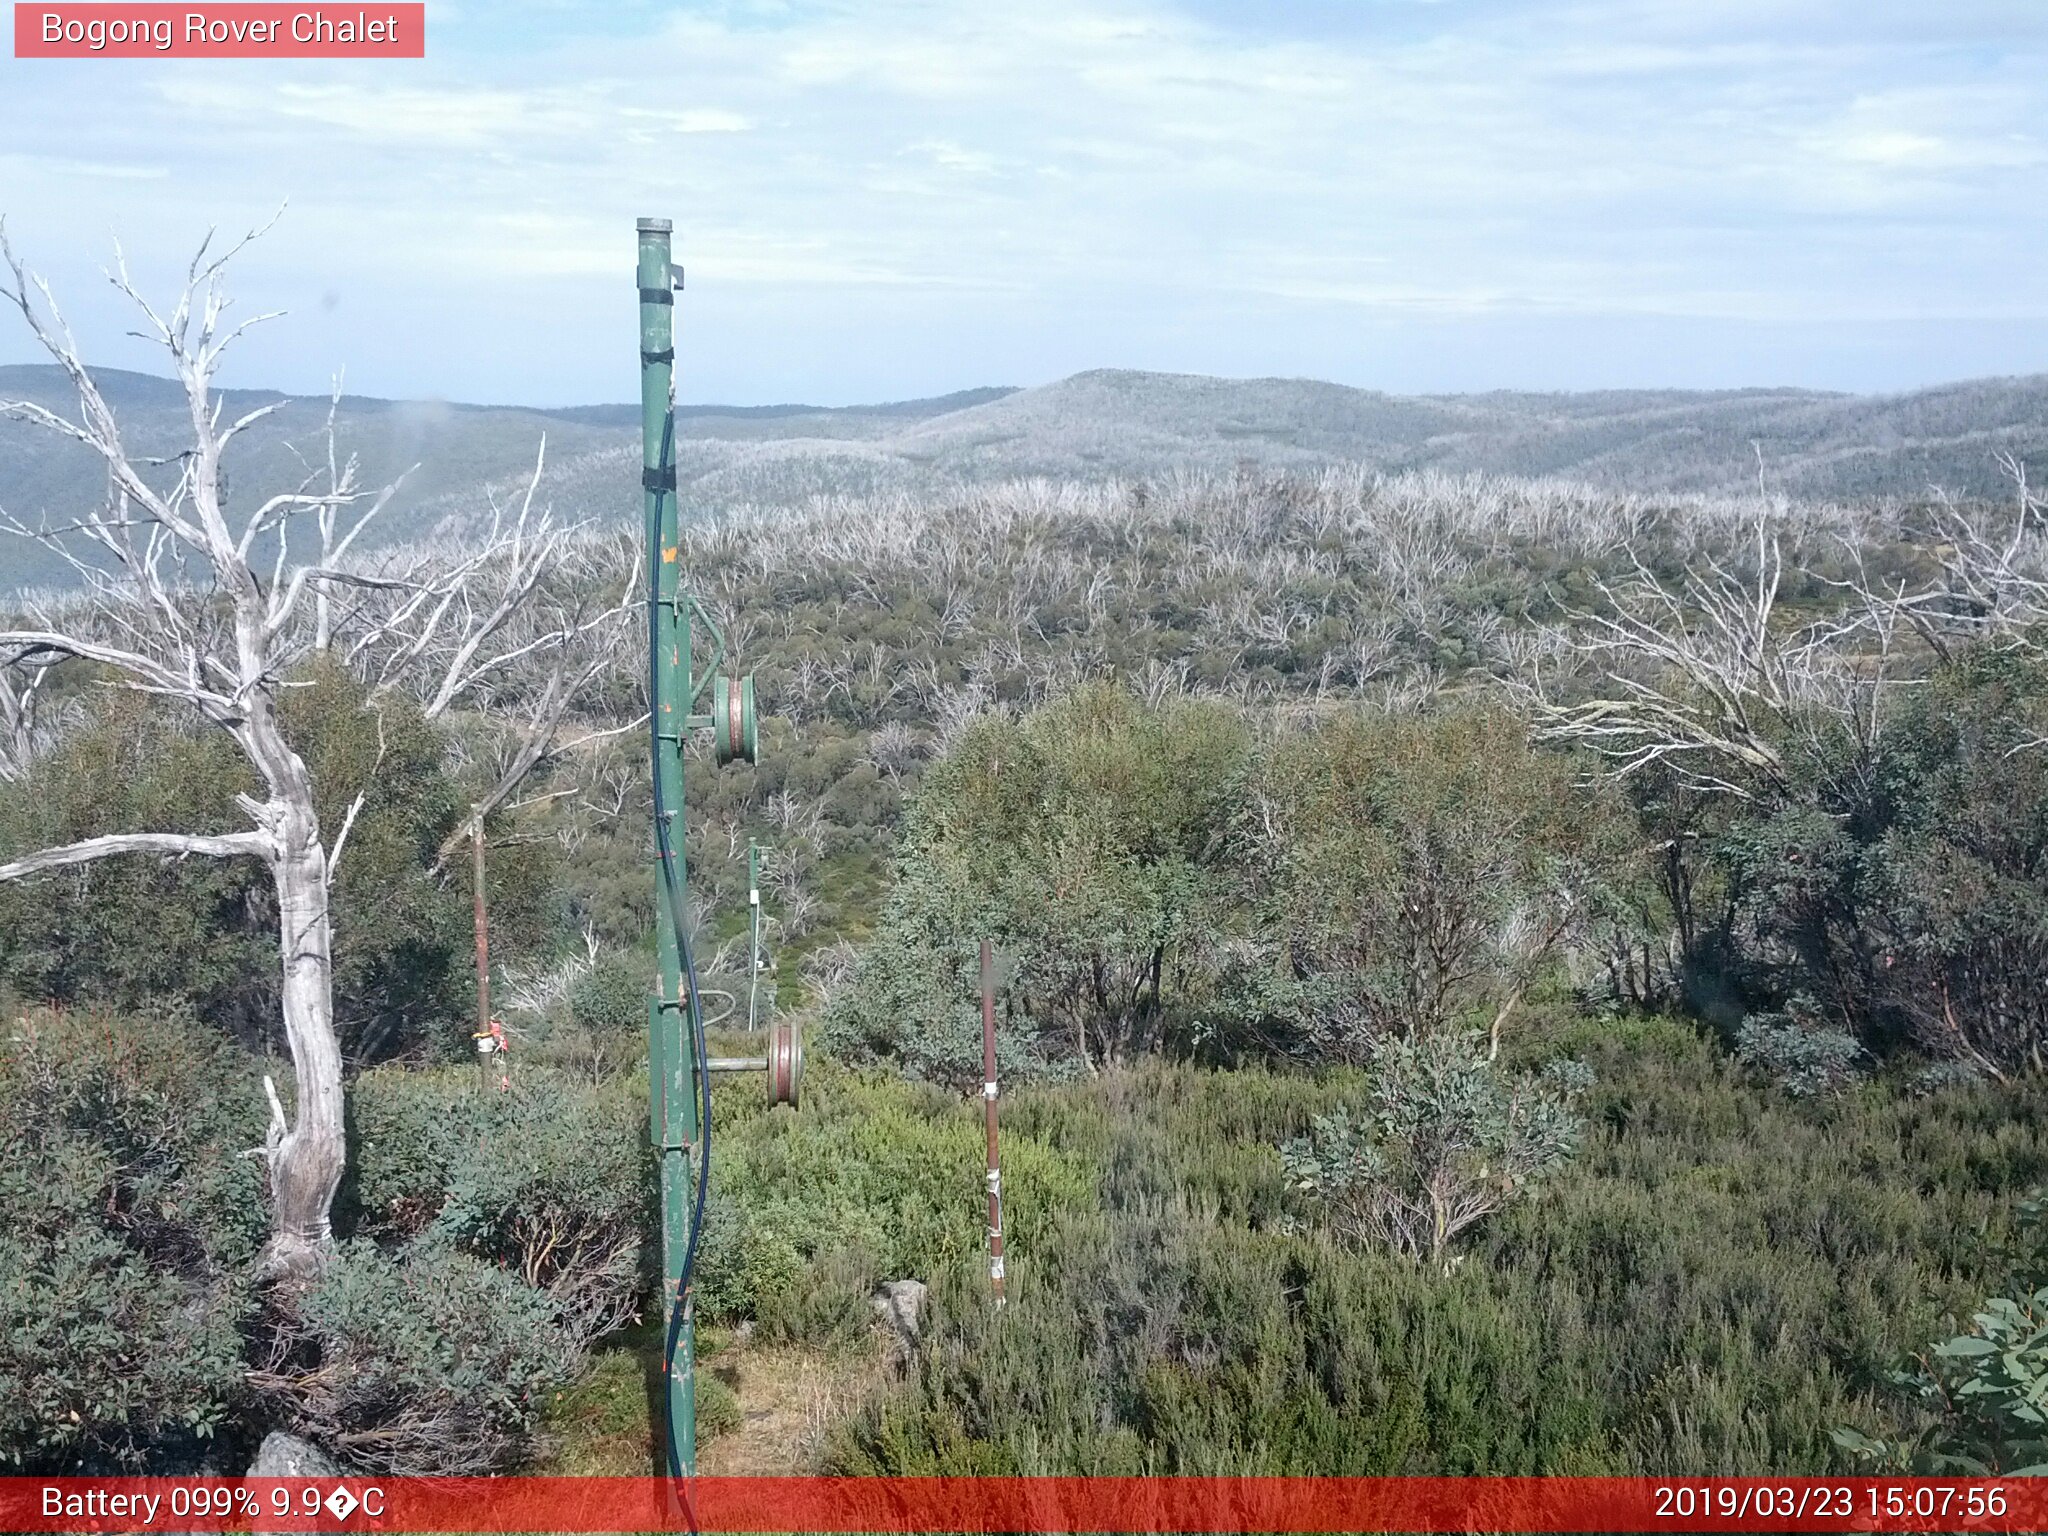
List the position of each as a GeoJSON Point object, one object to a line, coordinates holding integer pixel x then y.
{"type": "Point", "coordinates": [215, 31]}
{"type": "Point", "coordinates": [1062, 1504]}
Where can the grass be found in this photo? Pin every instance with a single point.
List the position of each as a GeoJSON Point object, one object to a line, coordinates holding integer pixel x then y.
{"type": "Point", "coordinates": [763, 1408]}
{"type": "Point", "coordinates": [608, 1424]}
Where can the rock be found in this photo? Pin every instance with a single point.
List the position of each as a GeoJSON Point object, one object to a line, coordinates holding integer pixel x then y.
{"type": "Point", "coordinates": [899, 1305]}
{"type": "Point", "coordinates": [283, 1455]}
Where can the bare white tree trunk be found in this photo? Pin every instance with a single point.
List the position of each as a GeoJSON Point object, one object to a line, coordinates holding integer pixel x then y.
{"type": "Point", "coordinates": [307, 1157]}
{"type": "Point", "coordinates": [306, 1162]}
{"type": "Point", "coordinates": [225, 648]}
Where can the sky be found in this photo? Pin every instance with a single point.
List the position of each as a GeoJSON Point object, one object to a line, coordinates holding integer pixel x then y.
{"type": "Point", "coordinates": [886, 199]}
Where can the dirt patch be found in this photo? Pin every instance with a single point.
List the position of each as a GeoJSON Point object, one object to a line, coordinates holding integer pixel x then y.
{"type": "Point", "coordinates": [607, 1424]}
{"type": "Point", "coordinates": [789, 1396]}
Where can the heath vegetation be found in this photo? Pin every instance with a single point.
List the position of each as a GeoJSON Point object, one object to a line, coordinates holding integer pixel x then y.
{"type": "Point", "coordinates": [1496, 976]}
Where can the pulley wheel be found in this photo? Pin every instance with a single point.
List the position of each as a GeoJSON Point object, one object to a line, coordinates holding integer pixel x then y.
{"type": "Point", "coordinates": [736, 735]}
{"type": "Point", "coordinates": [785, 1064]}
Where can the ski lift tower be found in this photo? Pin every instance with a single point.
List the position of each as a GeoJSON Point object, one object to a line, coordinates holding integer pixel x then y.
{"type": "Point", "coordinates": [682, 702]}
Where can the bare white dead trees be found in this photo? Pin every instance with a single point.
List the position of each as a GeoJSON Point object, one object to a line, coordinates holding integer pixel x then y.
{"type": "Point", "coordinates": [507, 630]}
{"type": "Point", "coordinates": [1707, 677]}
{"type": "Point", "coordinates": [1704, 677]}
{"type": "Point", "coordinates": [26, 726]}
{"type": "Point", "coordinates": [174, 607]}
{"type": "Point", "coordinates": [192, 598]}
{"type": "Point", "coordinates": [1993, 573]}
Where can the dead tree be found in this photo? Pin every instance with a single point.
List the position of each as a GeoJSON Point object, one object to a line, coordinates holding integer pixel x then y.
{"type": "Point", "coordinates": [514, 631]}
{"type": "Point", "coordinates": [24, 730]}
{"type": "Point", "coordinates": [174, 603]}
{"type": "Point", "coordinates": [1704, 679]}
{"type": "Point", "coordinates": [1993, 581]}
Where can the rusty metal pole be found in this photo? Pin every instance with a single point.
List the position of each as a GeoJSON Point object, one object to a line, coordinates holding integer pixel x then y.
{"type": "Point", "coordinates": [988, 1099]}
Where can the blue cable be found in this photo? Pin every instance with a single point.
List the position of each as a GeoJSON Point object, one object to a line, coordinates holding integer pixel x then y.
{"type": "Point", "coordinates": [683, 948]}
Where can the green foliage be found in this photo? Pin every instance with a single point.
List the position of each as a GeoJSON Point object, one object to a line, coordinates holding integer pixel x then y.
{"type": "Point", "coordinates": [123, 932]}
{"type": "Point", "coordinates": [549, 1180]}
{"type": "Point", "coordinates": [1983, 1393]}
{"type": "Point", "coordinates": [914, 1000]}
{"type": "Point", "coordinates": [894, 622]}
{"type": "Point", "coordinates": [749, 1257]}
{"type": "Point", "coordinates": [1717, 1277]}
{"type": "Point", "coordinates": [1900, 883]}
{"type": "Point", "coordinates": [1445, 1139]}
{"type": "Point", "coordinates": [1090, 841]}
{"type": "Point", "coordinates": [876, 1179]}
{"type": "Point", "coordinates": [126, 932]}
{"type": "Point", "coordinates": [401, 937]}
{"type": "Point", "coordinates": [611, 997]}
{"type": "Point", "coordinates": [1420, 869]}
{"type": "Point", "coordinates": [1798, 1052]}
{"type": "Point", "coordinates": [128, 1217]}
{"type": "Point", "coordinates": [1157, 884]}
{"type": "Point", "coordinates": [1963, 923]}
{"type": "Point", "coordinates": [420, 1362]}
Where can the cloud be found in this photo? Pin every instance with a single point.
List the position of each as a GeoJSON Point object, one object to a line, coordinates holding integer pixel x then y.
{"type": "Point", "coordinates": [13, 165]}
{"type": "Point", "coordinates": [1930, 152]}
{"type": "Point", "coordinates": [444, 120]}
{"type": "Point", "coordinates": [1077, 176]}
{"type": "Point", "coordinates": [952, 157]}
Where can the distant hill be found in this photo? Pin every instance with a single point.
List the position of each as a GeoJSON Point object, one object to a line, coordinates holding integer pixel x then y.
{"type": "Point", "coordinates": [1106, 423]}
{"type": "Point", "coordinates": [455, 452]}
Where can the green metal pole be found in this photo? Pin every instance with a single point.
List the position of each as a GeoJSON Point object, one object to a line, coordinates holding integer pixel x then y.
{"type": "Point", "coordinates": [672, 1074]}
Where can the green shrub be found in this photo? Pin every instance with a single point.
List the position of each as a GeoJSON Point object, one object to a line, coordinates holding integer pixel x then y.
{"type": "Point", "coordinates": [1156, 886]}
{"type": "Point", "coordinates": [420, 1362]}
{"type": "Point", "coordinates": [611, 997]}
{"type": "Point", "coordinates": [1975, 1402]}
{"type": "Point", "coordinates": [1984, 1391]}
{"type": "Point", "coordinates": [1419, 871]}
{"type": "Point", "coordinates": [747, 1257]}
{"type": "Point", "coordinates": [1717, 1277]}
{"type": "Point", "coordinates": [125, 932]}
{"type": "Point", "coordinates": [828, 1302]}
{"type": "Point", "coordinates": [914, 1002]}
{"type": "Point", "coordinates": [1797, 1052]}
{"type": "Point", "coordinates": [1446, 1139]}
{"type": "Point", "coordinates": [876, 1179]}
{"type": "Point", "coordinates": [122, 932]}
{"type": "Point", "coordinates": [1088, 840]}
{"type": "Point", "coordinates": [550, 1180]}
{"type": "Point", "coordinates": [129, 1215]}
{"type": "Point", "coordinates": [1896, 880]}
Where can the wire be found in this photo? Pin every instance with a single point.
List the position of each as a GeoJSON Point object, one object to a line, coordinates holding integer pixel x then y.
{"type": "Point", "coordinates": [666, 857]}
{"type": "Point", "coordinates": [732, 1005]}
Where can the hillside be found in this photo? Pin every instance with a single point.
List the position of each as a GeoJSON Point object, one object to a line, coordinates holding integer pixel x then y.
{"type": "Point", "coordinates": [1270, 849]}
{"type": "Point", "coordinates": [1096, 425]}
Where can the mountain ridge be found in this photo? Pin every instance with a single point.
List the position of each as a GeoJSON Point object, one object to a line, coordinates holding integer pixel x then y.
{"type": "Point", "coordinates": [1098, 424]}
